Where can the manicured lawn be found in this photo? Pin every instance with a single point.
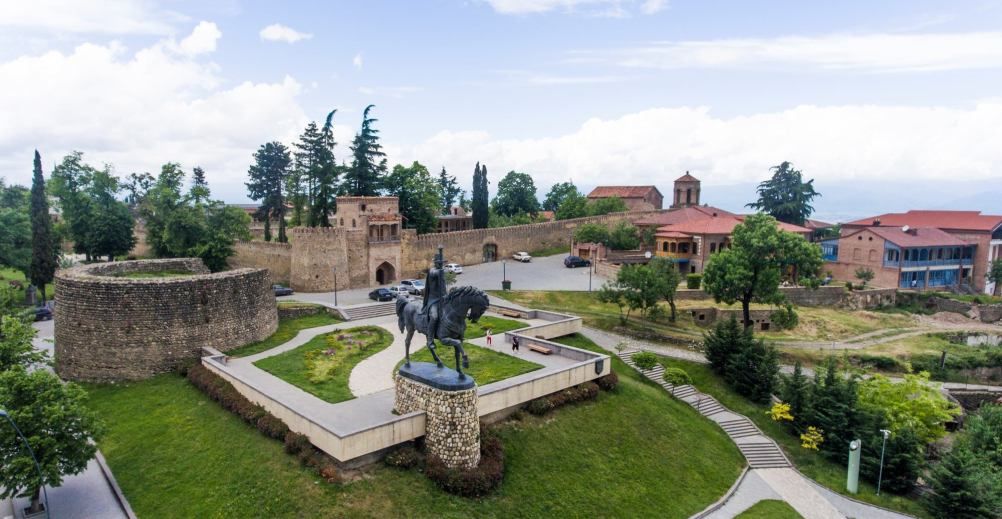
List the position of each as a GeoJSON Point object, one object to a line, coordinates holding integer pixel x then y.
{"type": "Point", "coordinates": [322, 366]}
{"type": "Point", "coordinates": [287, 329]}
{"type": "Point", "coordinates": [633, 452]}
{"type": "Point", "coordinates": [550, 251]}
{"type": "Point", "coordinates": [770, 509]}
{"type": "Point", "coordinates": [497, 325]}
{"type": "Point", "coordinates": [8, 274]}
{"type": "Point", "coordinates": [158, 274]}
{"type": "Point", "coordinates": [811, 463]}
{"type": "Point", "coordinates": [486, 366]}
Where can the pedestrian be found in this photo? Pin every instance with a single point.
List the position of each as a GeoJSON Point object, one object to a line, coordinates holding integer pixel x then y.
{"type": "Point", "coordinates": [514, 343]}
{"type": "Point", "coordinates": [490, 338]}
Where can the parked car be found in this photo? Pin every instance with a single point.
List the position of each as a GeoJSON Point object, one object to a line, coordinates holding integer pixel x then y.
{"type": "Point", "coordinates": [382, 294]}
{"type": "Point", "coordinates": [455, 268]}
{"type": "Point", "coordinates": [524, 257]}
{"type": "Point", "coordinates": [402, 290]}
{"type": "Point", "coordinates": [281, 290]}
{"type": "Point", "coordinates": [572, 262]}
{"type": "Point", "coordinates": [414, 286]}
{"type": "Point", "coordinates": [43, 313]}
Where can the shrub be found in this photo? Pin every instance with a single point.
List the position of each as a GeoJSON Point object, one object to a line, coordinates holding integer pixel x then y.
{"type": "Point", "coordinates": [677, 377]}
{"type": "Point", "coordinates": [404, 457]}
{"type": "Point", "coordinates": [693, 281]}
{"type": "Point", "coordinates": [879, 362]}
{"type": "Point", "coordinates": [272, 427]}
{"type": "Point", "coordinates": [476, 482]}
{"type": "Point", "coordinates": [848, 285]}
{"type": "Point", "coordinates": [608, 382]}
{"type": "Point", "coordinates": [645, 360]}
{"type": "Point", "coordinates": [539, 406]}
{"type": "Point", "coordinates": [296, 443]}
{"type": "Point", "coordinates": [785, 318]}
{"type": "Point", "coordinates": [543, 405]}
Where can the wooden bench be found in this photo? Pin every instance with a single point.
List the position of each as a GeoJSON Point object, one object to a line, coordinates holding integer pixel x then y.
{"type": "Point", "coordinates": [539, 348]}
{"type": "Point", "coordinates": [509, 312]}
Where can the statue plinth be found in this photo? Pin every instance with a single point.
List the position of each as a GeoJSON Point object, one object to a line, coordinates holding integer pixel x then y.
{"type": "Point", "coordinates": [452, 424]}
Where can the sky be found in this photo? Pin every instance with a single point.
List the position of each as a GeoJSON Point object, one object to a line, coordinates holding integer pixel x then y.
{"type": "Point", "coordinates": [887, 105]}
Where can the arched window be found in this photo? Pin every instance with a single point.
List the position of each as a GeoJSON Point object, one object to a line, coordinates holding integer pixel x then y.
{"type": "Point", "coordinates": [695, 248]}
{"type": "Point", "coordinates": [353, 222]}
{"type": "Point", "coordinates": [673, 247]}
{"type": "Point", "coordinates": [713, 247]}
{"type": "Point", "coordinates": [342, 222]}
{"type": "Point", "coordinates": [664, 247]}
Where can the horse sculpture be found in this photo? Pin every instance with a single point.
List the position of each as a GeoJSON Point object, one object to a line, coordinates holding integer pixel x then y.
{"type": "Point", "coordinates": [456, 306]}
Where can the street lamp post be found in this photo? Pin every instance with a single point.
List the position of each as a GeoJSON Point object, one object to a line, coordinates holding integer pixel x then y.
{"type": "Point", "coordinates": [41, 481]}
{"type": "Point", "coordinates": [880, 473]}
{"type": "Point", "coordinates": [504, 271]}
{"type": "Point", "coordinates": [335, 285]}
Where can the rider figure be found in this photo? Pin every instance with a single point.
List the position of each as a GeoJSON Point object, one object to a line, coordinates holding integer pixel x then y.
{"type": "Point", "coordinates": [434, 290]}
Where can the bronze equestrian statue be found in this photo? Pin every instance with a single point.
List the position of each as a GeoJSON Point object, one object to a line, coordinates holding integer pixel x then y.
{"type": "Point", "coordinates": [442, 315]}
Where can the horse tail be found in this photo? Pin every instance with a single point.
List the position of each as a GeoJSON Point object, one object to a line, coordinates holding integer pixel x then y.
{"type": "Point", "coordinates": [401, 304]}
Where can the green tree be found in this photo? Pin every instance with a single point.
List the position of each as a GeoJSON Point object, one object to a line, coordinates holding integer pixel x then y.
{"type": "Point", "coordinates": [995, 275]}
{"type": "Point", "coordinates": [268, 178]}
{"type": "Point", "coordinates": [15, 229]}
{"type": "Point", "coordinates": [481, 209]}
{"type": "Point", "coordinates": [16, 349]}
{"type": "Point", "coordinates": [516, 194]}
{"type": "Point", "coordinates": [834, 408]}
{"type": "Point", "coordinates": [960, 489]}
{"type": "Point", "coordinates": [574, 205]}
{"type": "Point", "coordinates": [60, 428]}
{"type": "Point", "coordinates": [137, 184]}
{"type": "Point", "coordinates": [418, 193]}
{"type": "Point", "coordinates": [448, 190]}
{"type": "Point", "coordinates": [613, 204]}
{"type": "Point", "coordinates": [645, 360]}
{"type": "Point", "coordinates": [721, 342]}
{"type": "Point", "coordinates": [795, 391]}
{"type": "Point", "coordinates": [865, 275]}
{"type": "Point", "coordinates": [667, 271]}
{"type": "Point", "coordinates": [786, 196]}
{"type": "Point", "coordinates": [903, 456]}
{"type": "Point", "coordinates": [199, 191]}
{"type": "Point", "coordinates": [751, 268]}
{"type": "Point", "coordinates": [753, 368]}
{"type": "Point", "coordinates": [44, 251]}
{"type": "Point", "coordinates": [558, 194]}
{"type": "Point", "coordinates": [69, 183]}
{"type": "Point", "coordinates": [224, 225]}
{"type": "Point", "coordinates": [914, 402]}
{"type": "Point", "coordinates": [983, 434]}
{"type": "Point", "coordinates": [592, 233]}
{"type": "Point", "coordinates": [641, 286]}
{"type": "Point", "coordinates": [368, 160]}
{"type": "Point", "coordinates": [110, 232]}
{"type": "Point", "coordinates": [326, 174]}
{"type": "Point", "coordinates": [611, 293]}
{"type": "Point", "coordinates": [624, 236]}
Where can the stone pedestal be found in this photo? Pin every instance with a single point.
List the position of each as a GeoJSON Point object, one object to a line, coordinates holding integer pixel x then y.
{"type": "Point", "coordinates": [452, 426]}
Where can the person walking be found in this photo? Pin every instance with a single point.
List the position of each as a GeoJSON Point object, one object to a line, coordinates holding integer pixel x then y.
{"type": "Point", "coordinates": [490, 338]}
{"type": "Point", "coordinates": [514, 343]}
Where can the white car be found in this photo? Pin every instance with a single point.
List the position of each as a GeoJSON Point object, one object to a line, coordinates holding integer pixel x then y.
{"type": "Point", "coordinates": [400, 290]}
{"type": "Point", "coordinates": [414, 286]}
{"type": "Point", "coordinates": [524, 257]}
{"type": "Point", "coordinates": [455, 268]}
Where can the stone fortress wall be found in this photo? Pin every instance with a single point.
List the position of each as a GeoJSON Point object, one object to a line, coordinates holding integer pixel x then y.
{"type": "Point", "coordinates": [274, 256]}
{"type": "Point", "coordinates": [109, 327]}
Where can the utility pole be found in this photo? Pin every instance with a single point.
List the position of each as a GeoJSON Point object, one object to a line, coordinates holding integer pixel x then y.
{"type": "Point", "coordinates": [880, 474]}
{"type": "Point", "coordinates": [335, 285]}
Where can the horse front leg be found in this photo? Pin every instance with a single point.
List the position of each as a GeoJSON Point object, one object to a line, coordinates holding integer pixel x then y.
{"type": "Point", "coordinates": [461, 360]}
{"type": "Point", "coordinates": [407, 345]}
{"type": "Point", "coordinates": [431, 348]}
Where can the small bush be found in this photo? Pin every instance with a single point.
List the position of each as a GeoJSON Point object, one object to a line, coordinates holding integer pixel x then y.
{"type": "Point", "coordinates": [677, 377]}
{"type": "Point", "coordinates": [404, 458]}
{"type": "Point", "coordinates": [848, 285]}
{"type": "Point", "coordinates": [693, 281]}
{"type": "Point", "coordinates": [608, 382]}
{"type": "Point", "coordinates": [578, 393]}
{"type": "Point", "coordinates": [478, 481]}
{"type": "Point", "coordinates": [645, 360]}
{"type": "Point", "coordinates": [785, 318]}
{"type": "Point", "coordinates": [539, 406]}
{"type": "Point", "coordinates": [879, 362]}
{"type": "Point", "coordinates": [272, 427]}
{"type": "Point", "coordinates": [296, 443]}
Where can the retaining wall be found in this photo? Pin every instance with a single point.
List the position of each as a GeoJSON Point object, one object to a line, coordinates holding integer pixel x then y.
{"type": "Point", "coordinates": [986, 313]}
{"type": "Point", "coordinates": [110, 328]}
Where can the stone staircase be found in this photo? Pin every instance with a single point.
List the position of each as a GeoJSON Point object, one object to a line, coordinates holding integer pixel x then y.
{"type": "Point", "coordinates": [354, 313]}
{"type": "Point", "coordinates": [760, 451]}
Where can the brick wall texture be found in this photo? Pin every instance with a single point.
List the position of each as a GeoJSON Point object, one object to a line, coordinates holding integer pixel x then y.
{"type": "Point", "coordinates": [452, 427]}
{"type": "Point", "coordinates": [111, 328]}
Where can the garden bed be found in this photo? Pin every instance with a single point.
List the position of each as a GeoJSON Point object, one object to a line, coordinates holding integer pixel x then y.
{"type": "Point", "coordinates": [486, 366]}
{"type": "Point", "coordinates": [287, 329]}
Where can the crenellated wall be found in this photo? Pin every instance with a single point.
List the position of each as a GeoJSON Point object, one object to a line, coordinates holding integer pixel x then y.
{"type": "Point", "coordinates": [274, 256]}
{"type": "Point", "coordinates": [111, 327]}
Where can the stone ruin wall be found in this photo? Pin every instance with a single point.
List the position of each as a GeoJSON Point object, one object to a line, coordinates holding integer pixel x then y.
{"type": "Point", "coordinates": [274, 256]}
{"type": "Point", "coordinates": [110, 328]}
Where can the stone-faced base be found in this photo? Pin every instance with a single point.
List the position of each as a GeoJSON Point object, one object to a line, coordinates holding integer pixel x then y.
{"type": "Point", "coordinates": [452, 427]}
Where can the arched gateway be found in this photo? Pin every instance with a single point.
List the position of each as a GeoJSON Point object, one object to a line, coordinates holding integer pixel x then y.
{"type": "Point", "coordinates": [385, 273]}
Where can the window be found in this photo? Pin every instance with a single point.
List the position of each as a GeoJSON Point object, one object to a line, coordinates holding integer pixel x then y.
{"type": "Point", "coordinates": [873, 255]}
{"type": "Point", "coordinates": [673, 247]}
{"type": "Point", "coordinates": [362, 207]}
{"type": "Point", "coordinates": [713, 248]}
{"type": "Point", "coordinates": [664, 246]}
{"type": "Point", "coordinates": [857, 254]}
{"type": "Point", "coordinates": [939, 253]}
{"type": "Point", "coordinates": [695, 248]}
{"type": "Point", "coordinates": [683, 248]}
{"type": "Point", "coordinates": [924, 255]}
{"type": "Point", "coordinates": [353, 222]}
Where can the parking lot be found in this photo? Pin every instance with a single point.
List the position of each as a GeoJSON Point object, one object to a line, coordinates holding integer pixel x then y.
{"type": "Point", "coordinates": [546, 273]}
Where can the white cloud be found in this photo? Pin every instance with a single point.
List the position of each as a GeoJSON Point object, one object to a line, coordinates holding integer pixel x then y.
{"type": "Point", "coordinates": [395, 92]}
{"type": "Point", "coordinates": [92, 16]}
{"type": "Point", "coordinates": [357, 61]}
{"type": "Point", "coordinates": [873, 52]}
{"type": "Point", "coordinates": [611, 8]}
{"type": "Point", "coordinates": [279, 32]}
{"type": "Point", "coordinates": [836, 144]}
{"type": "Point", "coordinates": [138, 110]}
{"type": "Point", "coordinates": [202, 39]}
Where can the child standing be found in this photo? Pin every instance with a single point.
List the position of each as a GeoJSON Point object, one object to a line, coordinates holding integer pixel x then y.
{"type": "Point", "coordinates": [490, 338]}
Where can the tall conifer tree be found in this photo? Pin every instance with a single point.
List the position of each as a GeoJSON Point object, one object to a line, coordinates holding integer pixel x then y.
{"type": "Point", "coordinates": [368, 160]}
{"type": "Point", "coordinates": [448, 190]}
{"type": "Point", "coordinates": [43, 247]}
{"type": "Point", "coordinates": [268, 177]}
{"type": "Point", "coordinates": [481, 214]}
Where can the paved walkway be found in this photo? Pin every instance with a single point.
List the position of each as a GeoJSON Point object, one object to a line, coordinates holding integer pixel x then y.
{"type": "Point", "coordinates": [770, 475]}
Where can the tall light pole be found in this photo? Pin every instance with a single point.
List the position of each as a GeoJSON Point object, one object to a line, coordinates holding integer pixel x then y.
{"type": "Point", "coordinates": [880, 473]}
{"type": "Point", "coordinates": [41, 480]}
{"type": "Point", "coordinates": [335, 285]}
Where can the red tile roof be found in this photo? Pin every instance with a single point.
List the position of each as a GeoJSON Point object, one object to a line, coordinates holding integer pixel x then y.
{"type": "Point", "coordinates": [817, 224]}
{"type": "Point", "coordinates": [685, 214]}
{"type": "Point", "coordinates": [687, 178]}
{"type": "Point", "coordinates": [952, 220]}
{"type": "Point", "coordinates": [672, 234]}
{"type": "Point", "coordinates": [921, 237]}
{"type": "Point", "coordinates": [622, 191]}
{"type": "Point", "coordinates": [721, 225]}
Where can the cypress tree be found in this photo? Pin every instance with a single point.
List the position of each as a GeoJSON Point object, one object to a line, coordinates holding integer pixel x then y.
{"type": "Point", "coordinates": [43, 246]}
{"type": "Point", "coordinates": [480, 210]}
{"type": "Point", "coordinates": [958, 489]}
{"type": "Point", "coordinates": [369, 161]}
{"type": "Point", "coordinates": [752, 367]}
{"type": "Point", "coordinates": [796, 393]}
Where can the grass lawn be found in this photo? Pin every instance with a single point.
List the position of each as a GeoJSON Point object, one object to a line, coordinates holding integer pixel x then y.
{"type": "Point", "coordinates": [177, 454]}
{"type": "Point", "coordinates": [309, 368]}
{"type": "Point", "coordinates": [158, 274]}
{"type": "Point", "coordinates": [816, 323]}
{"type": "Point", "coordinates": [287, 329]}
{"type": "Point", "coordinates": [550, 251]}
{"type": "Point", "coordinates": [811, 463]}
{"type": "Point", "coordinates": [497, 325]}
{"type": "Point", "coordinates": [9, 274]}
{"type": "Point", "coordinates": [486, 366]}
{"type": "Point", "coordinates": [770, 509]}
